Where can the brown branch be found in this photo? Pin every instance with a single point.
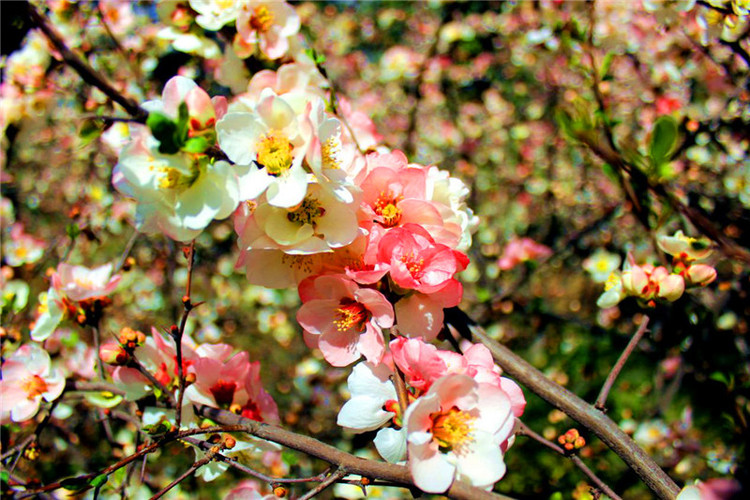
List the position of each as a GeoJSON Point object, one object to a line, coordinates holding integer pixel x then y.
{"type": "Point", "coordinates": [329, 481]}
{"type": "Point", "coordinates": [187, 307]}
{"type": "Point", "coordinates": [396, 474]}
{"type": "Point", "coordinates": [524, 430]}
{"type": "Point", "coordinates": [602, 399]}
{"type": "Point", "coordinates": [86, 72]}
{"type": "Point", "coordinates": [193, 468]}
{"type": "Point", "coordinates": [583, 413]}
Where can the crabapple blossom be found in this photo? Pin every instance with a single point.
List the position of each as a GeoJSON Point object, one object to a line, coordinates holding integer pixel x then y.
{"type": "Point", "coordinates": [269, 24]}
{"type": "Point", "coordinates": [214, 14]}
{"type": "Point", "coordinates": [268, 146]}
{"type": "Point", "coordinates": [372, 405]}
{"type": "Point", "coordinates": [343, 320]}
{"type": "Point", "coordinates": [521, 250]}
{"type": "Point", "coordinates": [649, 282]}
{"type": "Point", "coordinates": [79, 283]}
{"type": "Point", "coordinates": [455, 431]}
{"type": "Point", "coordinates": [177, 195]}
{"type": "Point", "coordinates": [28, 377]}
{"type": "Point", "coordinates": [613, 291]}
{"type": "Point", "coordinates": [601, 264]}
{"type": "Point", "coordinates": [684, 247]}
{"type": "Point", "coordinates": [21, 248]}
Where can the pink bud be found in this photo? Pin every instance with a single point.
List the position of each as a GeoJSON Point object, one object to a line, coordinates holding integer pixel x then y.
{"type": "Point", "coordinates": [200, 109]}
{"type": "Point", "coordinates": [671, 287]}
{"type": "Point", "coordinates": [700, 274]}
{"type": "Point", "coordinates": [113, 353]}
{"type": "Point", "coordinates": [635, 281]}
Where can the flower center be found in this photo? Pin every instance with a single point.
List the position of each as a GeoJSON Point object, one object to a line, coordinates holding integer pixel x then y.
{"type": "Point", "coordinates": [275, 152]}
{"type": "Point", "coordinates": [386, 207]}
{"type": "Point", "coordinates": [262, 19]}
{"type": "Point", "coordinates": [351, 314]}
{"type": "Point", "coordinates": [34, 386]}
{"type": "Point", "coordinates": [331, 152]}
{"type": "Point", "coordinates": [452, 429]}
{"type": "Point", "coordinates": [308, 212]}
{"type": "Point", "coordinates": [613, 281]}
{"type": "Point", "coordinates": [223, 392]}
{"type": "Point", "coordinates": [413, 265]}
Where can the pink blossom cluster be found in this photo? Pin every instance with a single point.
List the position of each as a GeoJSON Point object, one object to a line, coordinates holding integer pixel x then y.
{"type": "Point", "coordinates": [650, 283]}
{"type": "Point", "coordinates": [453, 420]}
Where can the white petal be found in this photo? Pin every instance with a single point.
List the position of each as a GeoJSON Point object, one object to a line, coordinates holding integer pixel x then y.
{"type": "Point", "coordinates": [391, 444]}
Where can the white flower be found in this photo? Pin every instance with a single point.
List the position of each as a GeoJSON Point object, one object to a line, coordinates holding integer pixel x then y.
{"type": "Point", "coordinates": [372, 390]}
{"type": "Point", "coordinates": [178, 195]}
{"type": "Point", "coordinates": [213, 14]}
{"type": "Point", "coordinates": [601, 264]}
{"type": "Point", "coordinates": [268, 147]}
{"type": "Point", "coordinates": [455, 431]}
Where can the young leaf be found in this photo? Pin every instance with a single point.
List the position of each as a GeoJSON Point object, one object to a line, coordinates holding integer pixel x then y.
{"type": "Point", "coordinates": [663, 139]}
{"type": "Point", "coordinates": [99, 481]}
{"type": "Point", "coordinates": [165, 131]}
{"type": "Point", "coordinates": [196, 145]}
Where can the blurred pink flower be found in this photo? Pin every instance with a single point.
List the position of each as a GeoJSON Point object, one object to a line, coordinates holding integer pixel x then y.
{"type": "Point", "coordinates": [521, 250]}
{"type": "Point", "coordinates": [28, 377]}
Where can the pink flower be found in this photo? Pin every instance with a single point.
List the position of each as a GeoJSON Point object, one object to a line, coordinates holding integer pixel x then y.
{"type": "Point", "coordinates": [81, 283]}
{"type": "Point", "coordinates": [521, 250]}
{"type": "Point", "coordinates": [268, 24]}
{"type": "Point", "coordinates": [28, 378]}
{"type": "Point", "coordinates": [22, 248]}
{"type": "Point", "coordinates": [648, 282]}
{"type": "Point", "coordinates": [455, 431]}
{"type": "Point", "coordinates": [418, 263]}
{"type": "Point", "coordinates": [343, 320]}
{"type": "Point", "coordinates": [232, 385]}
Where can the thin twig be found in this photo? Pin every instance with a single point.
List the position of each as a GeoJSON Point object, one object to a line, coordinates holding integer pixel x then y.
{"type": "Point", "coordinates": [398, 474]}
{"type": "Point", "coordinates": [86, 72]}
{"type": "Point", "coordinates": [192, 470]}
{"type": "Point", "coordinates": [187, 307]}
{"type": "Point", "coordinates": [126, 252]}
{"type": "Point", "coordinates": [577, 409]}
{"type": "Point", "coordinates": [329, 481]}
{"type": "Point", "coordinates": [602, 399]}
{"type": "Point", "coordinates": [524, 430]}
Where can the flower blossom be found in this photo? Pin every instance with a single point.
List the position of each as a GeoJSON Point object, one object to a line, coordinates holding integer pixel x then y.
{"type": "Point", "coordinates": [521, 250]}
{"type": "Point", "coordinates": [455, 431]}
{"type": "Point", "coordinates": [648, 282]}
{"type": "Point", "coordinates": [21, 248]}
{"type": "Point", "coordinates": [80, 283]}
{"type": "Point", "coordinates": [343, 320]}
{"type": "Point", "coordinates": [269, 24]}
{"type": "Point", "coordinates": [28, 377]}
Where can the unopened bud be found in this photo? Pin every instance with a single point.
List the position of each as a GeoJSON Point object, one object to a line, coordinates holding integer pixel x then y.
{"type": "Point", "coordinates": [189, 378]}
{"type": "Point", "coordinates": [700, 274]}
{"type": "Point", "coordinates": [235, 408]}
{"type": "Point", "coordinates": [128, 264]}
{"type": "Point", "coordinates": [31, 452]}
{"type": "Point", "coordinates": [81, 318]}
{"type": "Point", "coordinates": [173, 330]}
{"type": "Point", "coordinates": [229, 442]}
{"type": "Point", "coordinates": [571, 440]}
{"type": "Point", "coordinates": [364, 481]}
{"type": "Point", "coordinates": [113, 354]}
{"type": "Point", "coordinates": [280, 491]}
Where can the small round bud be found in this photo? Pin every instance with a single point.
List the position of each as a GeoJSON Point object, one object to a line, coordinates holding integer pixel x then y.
{"type": "Point", "coordinates": [229, 442]}
{"type": "Point", "coordinates": [189, 378]}
{"type": "Point", "coordinates": [235, 408]}
{"type": "Point", "coordinates": [128, 264]}
{"type": "Point", "coordinates": [174, 330]}
{"type": "Point", "coordinates": [113, 354]}
{"type": "Point", "coordinates": [364, 481]}
{"type": "Point", "coordinates": [31, 452]}
{"type": "Point", "coordinates": [81, 318]}
{"type": "Point", "coordinates": [279, 491]}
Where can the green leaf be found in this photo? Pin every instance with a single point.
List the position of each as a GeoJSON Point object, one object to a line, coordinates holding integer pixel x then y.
{"type": "Point", "coordinates": [75, 484]}
{"type": "Point", "coordinates": [606, 65]}
{"type": "Point", "coordinates": [663, 140]}
{"type": "Point", "coordinates": [99, 481]}
{"type": "Point", "coordinates": [103, 399]}
{"type": "Point", "coordinates": [196, 145]}
{"type": "Point", "coordinates": [165, 131]}
{"type": "Point", "coordinates": [289, 458]}
{"type": "Point", "coordinates": [72, 230]}
{"type": "Point", "coordinates": [4, 476]}
{"type": "Point", "coordinates": [611, 173]}
{"type": "Point", "coordinates": [90, 130]}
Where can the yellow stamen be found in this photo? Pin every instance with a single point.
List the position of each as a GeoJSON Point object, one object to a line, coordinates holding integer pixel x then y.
{"type": "Point", "coordinates": [331, 152]}
{"type": "Point", "coordinates": [386, 206]}
{"type": "Point", "coordinates": [415, 267]}
{"type": "Point", "coordinates": [34, 386]}
{"type": "Point", "coordinates": [351, 314]}
{"type": "Point", "coordinates": [452, 429]}
{"type": "Point", "coordinates": [262, 19]}
{"type": "Point", "coordinates": [275, 152]}
{"type": "Point", "coordinates": [308, 212]}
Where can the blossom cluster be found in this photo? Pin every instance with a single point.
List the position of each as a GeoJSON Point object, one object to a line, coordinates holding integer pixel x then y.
{"type": "Point", "coordinates": [453, 420]}
{"type": "Point", "coordinates": [650, 283]}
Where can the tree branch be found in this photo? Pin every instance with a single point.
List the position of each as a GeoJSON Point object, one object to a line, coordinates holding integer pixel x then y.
{"type": "Point", "coordinates": [396, 474]}
{"type": "Point", "coordinates": [580, 411]}
{"type": "Point", "coordinates": [81, 67]}
{"type": "Point", "coordinates": [602, 399]}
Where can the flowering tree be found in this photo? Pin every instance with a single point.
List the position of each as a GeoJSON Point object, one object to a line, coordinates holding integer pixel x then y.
{"type": "Point", "coordinates": [359, 166]}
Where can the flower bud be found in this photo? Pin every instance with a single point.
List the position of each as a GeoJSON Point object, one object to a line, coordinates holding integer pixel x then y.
{"type": "Point", "coordinates": [279, 491]}
{"type": "Point", "coordinates": [671, 287]}
{"type": "Point", "coordinates": [699, 274]}
{"type": "Point", "coordinates": [113, 354]}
